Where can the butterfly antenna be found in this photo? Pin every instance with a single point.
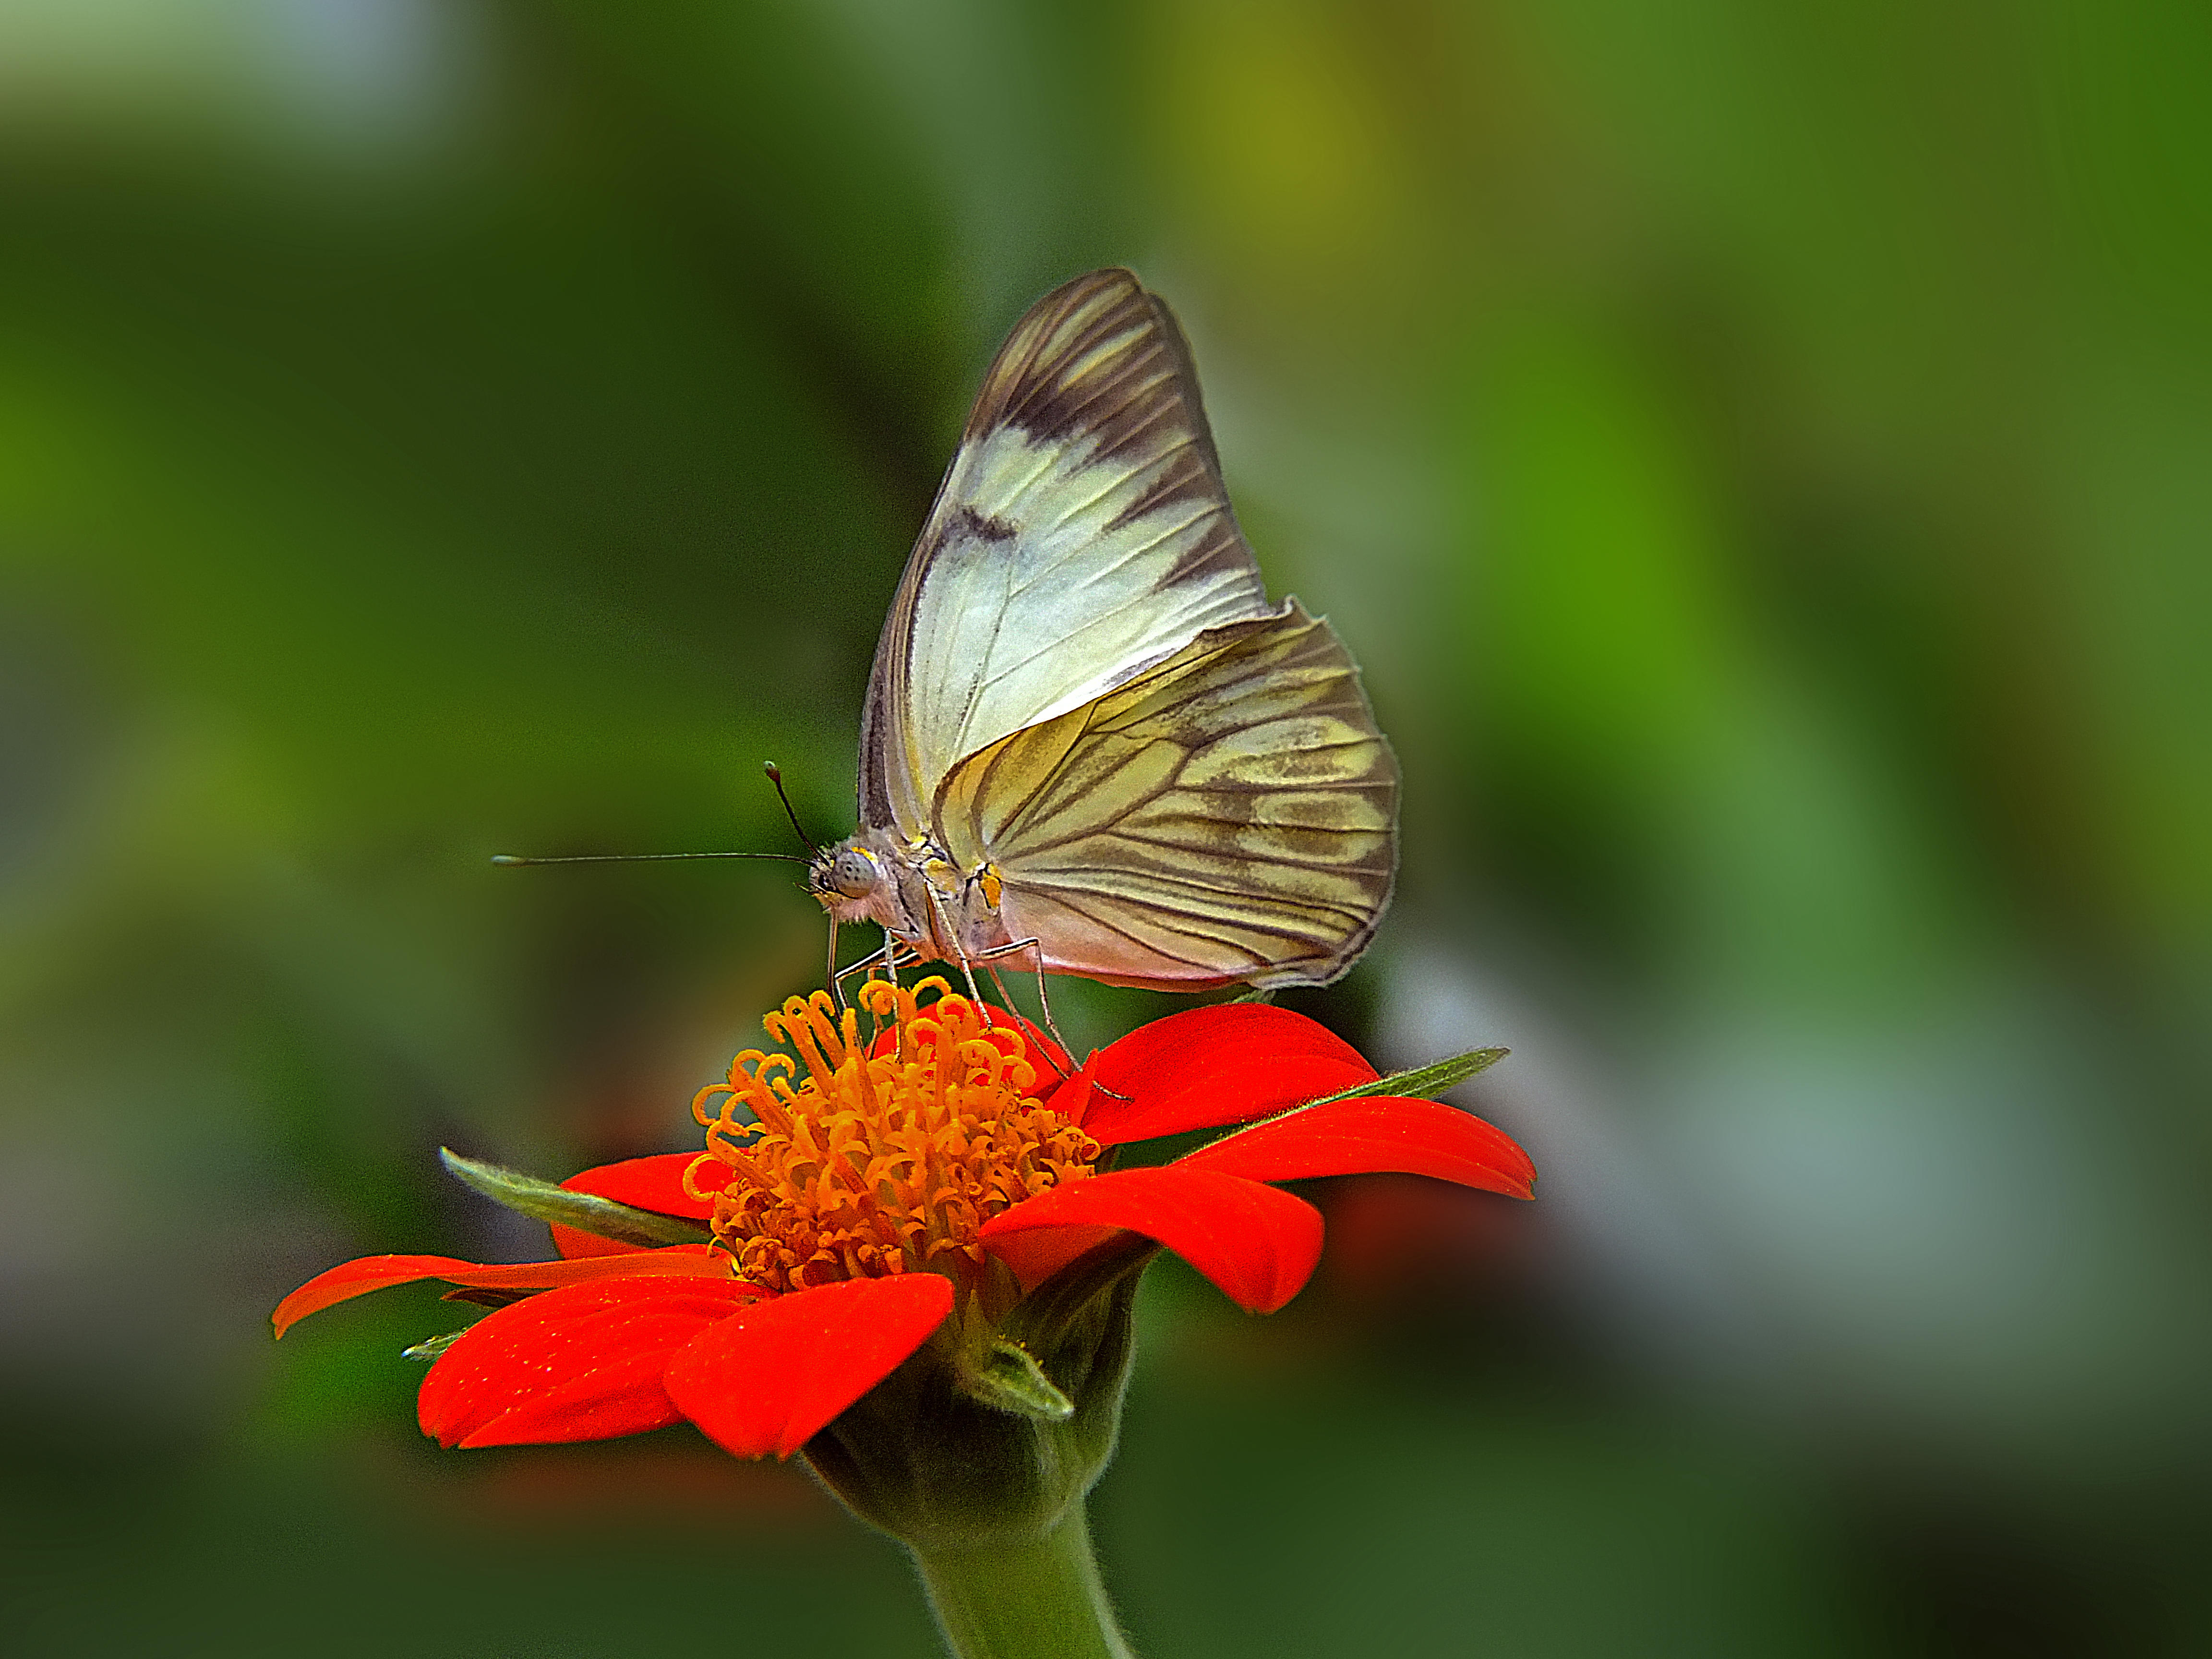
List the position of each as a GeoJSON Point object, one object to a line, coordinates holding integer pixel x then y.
{"type": "Point", "coordinates": [638, 858]}
{"type": "Point", "coordinates": [775, 776]}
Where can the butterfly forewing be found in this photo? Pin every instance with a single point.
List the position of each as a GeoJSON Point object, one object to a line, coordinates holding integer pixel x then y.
{"type": "Point", "coordinates": [1082, 536]}
{"type": "Point", "coordinates": [1230, 815]}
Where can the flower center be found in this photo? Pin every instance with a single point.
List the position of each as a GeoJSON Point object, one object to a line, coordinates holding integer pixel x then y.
{"type": "Point", "coordinates": [876, 1163]}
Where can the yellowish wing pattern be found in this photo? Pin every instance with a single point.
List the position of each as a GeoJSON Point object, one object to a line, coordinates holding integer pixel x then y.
{"type": "Point", "coordinates": [1230, 815]}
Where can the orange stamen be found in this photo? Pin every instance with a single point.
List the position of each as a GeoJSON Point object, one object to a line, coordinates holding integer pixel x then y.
{"type": "Point", "coordinates": [874, 1166]}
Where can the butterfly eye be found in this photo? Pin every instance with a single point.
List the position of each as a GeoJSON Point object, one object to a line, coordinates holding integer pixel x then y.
{"type": "Point", "coordinates": [855, 873]}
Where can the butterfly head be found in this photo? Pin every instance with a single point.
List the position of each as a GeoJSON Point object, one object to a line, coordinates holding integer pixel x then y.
{"type": "Point", "coordinates": [850, 881]}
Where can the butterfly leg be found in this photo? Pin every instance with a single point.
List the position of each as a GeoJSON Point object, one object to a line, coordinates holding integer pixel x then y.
{"type": "Point", "coordinates": [1044, 999]}
{"type": "Point", "coordinates": [991, 973]}
{"type": "Point", "coordinates": [885, 959]}
{"type": "Point", "coordinates": [945, 930]}
{"type": "Point", "coordinates": [890, 969]}
{"type": "Point", "coordinates": [990, 967]}
{"type": "Point", "coordinates": [975, 991]}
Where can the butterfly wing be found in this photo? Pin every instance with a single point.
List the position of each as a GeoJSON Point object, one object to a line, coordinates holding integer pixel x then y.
{"type": "Point", "coordinates": [1230, 815]}
{"type": "Point", "coordinates": [1081, 536]}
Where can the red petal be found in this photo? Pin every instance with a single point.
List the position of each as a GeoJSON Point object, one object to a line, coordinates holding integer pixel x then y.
{"type": "Point", "coordinates": [1071, 1098]}
{"type": "Point", "coordinates": [1372, 1133]}
{"type": "Point", "coordinates": [374, 1273]}
{"type": "Point", "coordinates": [1208, 1067]}
{"type": "Point", "coordinates": [1257, 1243]}
{"type": "Point", "coordinates": [580, 1364]}
{"type": "Point", "coordinates": [654, 1183]}
{"type": "Point", "coordinates": [769, 1377]}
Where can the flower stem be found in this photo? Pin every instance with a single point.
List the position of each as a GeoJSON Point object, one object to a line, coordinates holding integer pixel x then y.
{"type": "Point", "coordinates": [1041, 1600]}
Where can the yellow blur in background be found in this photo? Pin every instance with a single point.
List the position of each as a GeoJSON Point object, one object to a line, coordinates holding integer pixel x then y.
{"type": "Point", "coordinates": [1762, 457]}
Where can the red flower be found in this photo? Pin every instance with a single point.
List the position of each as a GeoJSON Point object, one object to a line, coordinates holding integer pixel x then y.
{"type": "Point", "coordinates": [935, 1168]}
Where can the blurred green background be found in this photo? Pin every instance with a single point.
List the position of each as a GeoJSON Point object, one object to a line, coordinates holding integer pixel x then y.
{"type": "Point", "coordinates": [1762, 456]}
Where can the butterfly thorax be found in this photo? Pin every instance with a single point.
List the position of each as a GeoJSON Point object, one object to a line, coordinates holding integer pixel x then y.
{"type": "Point", "coordinates": [913, 890]}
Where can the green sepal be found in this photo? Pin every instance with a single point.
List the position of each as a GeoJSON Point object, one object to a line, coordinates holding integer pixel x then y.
{"type": "Point", "coordinates": [1003, 1375]}
{"type": "Point", "coordinates": [1425, 1081]}
{"type": "Point", "coordinates": [543, 1202]}
{"type": "Point", "coordinates": [921, 1457]}
{"type": "Point", "coordinates": [483, 1297]}
{"type": "Point", "coordinates": [430, 1348]}
{"type": "Point", "coordinates": [1041, 1320]}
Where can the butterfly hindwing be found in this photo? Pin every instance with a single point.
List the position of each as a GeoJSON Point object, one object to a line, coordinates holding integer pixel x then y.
{"type": "Point", "coordinates": [1228, 816]}
{"type": "Point", "coordinates": [1082, 536]}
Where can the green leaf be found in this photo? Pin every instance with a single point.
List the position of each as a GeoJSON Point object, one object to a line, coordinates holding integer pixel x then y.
{"type": "Point", "coordinates": [1006, 1377]}
{"type": "Point", "coordinates": [544, 1201]}
{"type": "Point", "coordinates": [430, 1348]}
{"type": "Point", "coordinates": [1427, 1082]}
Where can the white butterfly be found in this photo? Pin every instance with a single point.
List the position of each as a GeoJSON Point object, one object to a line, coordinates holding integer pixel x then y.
{"type": "Point", "coordinates": [1091, 745]}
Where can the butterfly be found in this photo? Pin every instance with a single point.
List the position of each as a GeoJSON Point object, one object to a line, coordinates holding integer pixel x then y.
{"type": "Point", "coordinates": [1090, 744]}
